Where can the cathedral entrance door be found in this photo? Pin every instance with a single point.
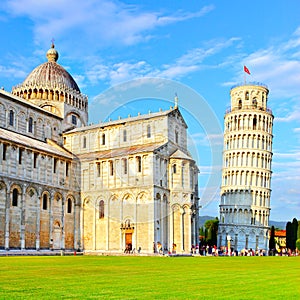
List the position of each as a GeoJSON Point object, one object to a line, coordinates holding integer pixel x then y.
{"type": "Point", "coordinates": [128, 240]}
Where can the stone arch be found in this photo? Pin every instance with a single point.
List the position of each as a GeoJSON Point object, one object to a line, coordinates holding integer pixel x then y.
{"type": "Point", "coordinates": [101, 209]}
{"type": "Point", "coordinates": [45, 220]}
{"type": "Point", "coordinates": [175, 207]}
{"type": "Point", "coordinates": [3, 186]}
{"type": "Point", "coordinates": [56, 242]}
{"type": "Point", "coordinates": [127, 197]}
{"type": "Point", "coordinates": [88, 223]}
{"type": "Point", "coordinates": [12, 117]}
{"type": "Point", "coordinates": [15, 216]}
{"type": "Point", "coordinates": [32, 207]}
{"type": "Point", "coordinates": [128, 206]}
{"type": "Point", "coordinates": [69, 205]}
{"type": "Point", "coordinates": [55, 130]}
{"type": "Point", "coordinates": [86, 202]}
{"type": "Point", "coordinates": [142, 197]}
{"type": "Point", "coordinates": [21, 121]}
{"type": "Point", "coordinates": [56, 224]}
{"type": "Point", "coordinates": [15, 190]}
{"type": "Point", "coordinates": [42, 199]}
{"type": "Point", "coordinates": [3, 195]}
{"type": "Point", "coordinates": [2, 114]}
{"type": "Point", "coordinates": [115, 206]}
{"type": "Point", "coordinates": [69, 221]}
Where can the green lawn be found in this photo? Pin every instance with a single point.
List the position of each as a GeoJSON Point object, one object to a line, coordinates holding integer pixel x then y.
{"type": "Point", "coordinates": [108, 277]}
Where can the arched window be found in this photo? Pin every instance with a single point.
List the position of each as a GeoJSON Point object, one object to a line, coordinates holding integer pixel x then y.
{"type": "Point", "coordinates": [254, 102]}
{"type": "Point", "coordinates": [101, 209]}
{"type": "Point", "coordinates": [124, 135]}
{"type": "Point", "coordinates": [4, 148]}
{"type": "Point", "coordinates": [84, 142]}
{"type": "Point", "coordinates": [125, 166]}
{"type": "Point", "coordinates": [254, 123]}
{"type": "Point", "coordinates": [74, 120]}
{"type": "Point", "coordinates": [240, 104]}
{"type": "Point", "coordinates": [98, 169]}
{"type": "Point", "coordinates": [139, 163]}
{"type": "Point", "coordinates": [148, 131]}
{"type": "Point", "coordinates": [176, 137]}
{"type": "Point", "coordinates": [20, 156]}
{"type": "Point", "coordinates": [247, 95]}
{"type": "Point", "coordinates": [103, 139]}
{"type": "Point", "coordinates": [67, 168]}
{"type": "Point", "coordinates": [45, 202]}
{"type": "Point", "coordinates": [174, 169]}
{"type": "Point", "coordinates": [69, 206]}
{"type": "Point", "coordinates": [30, 125]}
{"type": "Point", "coordinates": [15, 194]}
{"type": "Point", "coordinates": [11, 117]}
{"type": "Point", "coordinates": [55, 165]}
{"type": "Point", "coordinates": [111, 168]}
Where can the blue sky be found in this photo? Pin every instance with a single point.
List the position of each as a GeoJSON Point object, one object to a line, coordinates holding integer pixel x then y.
{"type": "Point", "coordinates": [124, 54]}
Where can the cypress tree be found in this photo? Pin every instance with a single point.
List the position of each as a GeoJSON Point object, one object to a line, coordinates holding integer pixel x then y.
{"type": "Point", "coordinates": [272, 240]}
{"type": "Point", "coordinates": [294, 233]}
{"type": "Point", "coordinates": [298, 233]}
{"type": "Point", "coordinates": [288, 235]}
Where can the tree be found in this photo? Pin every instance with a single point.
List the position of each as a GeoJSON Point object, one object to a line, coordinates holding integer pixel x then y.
{"type": "Point", "coordinates": [212, 231]}
{"type": "Point", "coordinates": [202, 235]}
{"type": "Point", "coordinates": [294, 233]}
{"type": "Point", "coordinates": [272, 239]}
{"type": "Point", "coordinates": [298, 244]}
{"type": "Point", "coordinates": [288, 235]}
{"type": "Point", "coordinates": [291, 234]}
{"type": "Point", "coordinates": [298, 233]}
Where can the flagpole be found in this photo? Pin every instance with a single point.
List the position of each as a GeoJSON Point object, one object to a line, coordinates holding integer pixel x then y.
{"type": "Point", "coordinates": [246, 70]}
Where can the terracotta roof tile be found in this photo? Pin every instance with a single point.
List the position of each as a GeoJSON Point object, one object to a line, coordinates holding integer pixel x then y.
{"type": "Point", "coordinates": [119, 152]}
{"type": "Point", "coordinates": [29, 142]}
{"type": "Point", "coordinates": [280, 233]}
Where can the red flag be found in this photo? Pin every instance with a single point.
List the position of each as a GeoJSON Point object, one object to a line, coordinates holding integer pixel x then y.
{"type": "Point", "coordinates": [246, 70]}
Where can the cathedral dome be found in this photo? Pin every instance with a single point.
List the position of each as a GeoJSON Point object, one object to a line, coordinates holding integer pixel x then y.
{"type": "Point", "coordinates": [52, 88]}
{"type": "Point", "coordinates": [51, 74]}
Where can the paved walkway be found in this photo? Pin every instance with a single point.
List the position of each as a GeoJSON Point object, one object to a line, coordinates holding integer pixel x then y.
{"type": "Point", "coordinates": [37, 253]}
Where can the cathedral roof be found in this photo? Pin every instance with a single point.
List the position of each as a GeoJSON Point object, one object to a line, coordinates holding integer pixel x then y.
{"type": "Point", "coordinates": [28, 142]}
{"type": "Point", "coordinates": [151, 115]}
{"type": "Point", "coordinates": [179, 154]}
{"type": "Point", "coordinates": [119, 152]}
{"type": "Point", "coordinates": [51, 74]}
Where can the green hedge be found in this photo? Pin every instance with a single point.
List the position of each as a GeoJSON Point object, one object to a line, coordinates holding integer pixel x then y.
{"type": "Point", "coordinates": [298, 244]}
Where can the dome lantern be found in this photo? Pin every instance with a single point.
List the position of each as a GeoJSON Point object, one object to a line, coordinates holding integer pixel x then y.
{"type": "Point", "coordinates": [52, 54]}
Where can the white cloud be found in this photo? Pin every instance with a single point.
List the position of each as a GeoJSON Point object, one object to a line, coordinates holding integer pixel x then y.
{"type": "Point", "coordinates": [188, 63]}
{"type": "Point", "coordinates": [288, 155]}
{"type": "Point", "coordinates": [193, 60]}
{"type": "Point", "coordinates": [202, 139]}
{"type": "Point", "coordinates": [279, 66]}
{"type": "Point", "coordinates": [96, 21]}
{"type": "Point", "coordinates": [293, 115]}
{"type": "Point", "coordinates": [15, 72]}
{"type": "Point", "coordinates": [125, 71]}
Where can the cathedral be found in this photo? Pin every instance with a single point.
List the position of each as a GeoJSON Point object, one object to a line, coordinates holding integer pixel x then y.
{"type": "Point", "coordinates": [120, 186]}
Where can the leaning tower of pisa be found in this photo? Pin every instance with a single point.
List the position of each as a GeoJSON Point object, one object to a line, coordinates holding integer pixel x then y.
{"type": "Point", "coordinates": [246, 173]}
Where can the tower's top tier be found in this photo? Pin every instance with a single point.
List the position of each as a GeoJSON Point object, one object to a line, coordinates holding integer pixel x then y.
{"type": "Point", "coordinates": [249, 96]}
